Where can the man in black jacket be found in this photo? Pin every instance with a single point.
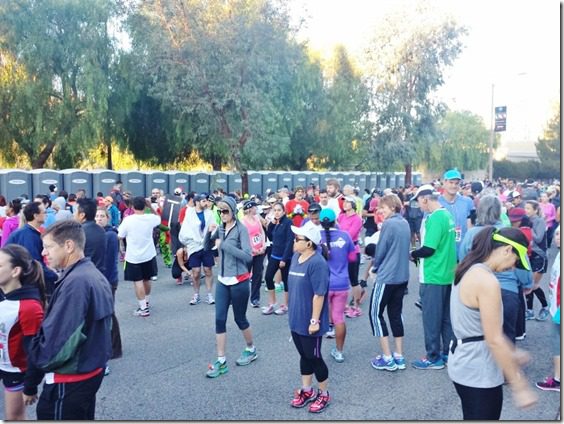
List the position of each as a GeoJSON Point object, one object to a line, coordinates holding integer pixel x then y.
{"type": "Point", "coordinates": [95, 235]}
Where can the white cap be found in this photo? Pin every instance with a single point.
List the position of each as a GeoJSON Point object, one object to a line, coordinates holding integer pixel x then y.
{"type": "Point", "coordinates": [424, 190]}
{"type": "Point", "coordinates": [310, 231]}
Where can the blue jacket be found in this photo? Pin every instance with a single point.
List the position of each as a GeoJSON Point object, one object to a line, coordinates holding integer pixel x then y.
{"type": "Point", "coordinates": [30, 238]}
{"type": "Point", "coordinates": [391, 260]}
{"type": "Point", "coordinates": [282, 239]}
{"type": "Point", "coordinates": [74, 337]}
{"type": "Point", "coordinates": [111, 256]}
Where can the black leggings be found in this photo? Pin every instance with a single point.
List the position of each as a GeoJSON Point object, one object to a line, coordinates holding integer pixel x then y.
{"type": "Point", "coordinates": [539, 293]}
{"type": "Point", "coordinates": [236, 295]}
{"type": "Point", "coordinates": [353, 270]}
{"type": "Point", "coordinates": [271, 268]}
{"type": "Point", "coordinates": [256, 268]}
{"type": "Point", "coordinates": [311, 361]}
{"type": "Point", "coordinates": [390, 297]}
{"type": "Point", "coordinates": [480, 404]}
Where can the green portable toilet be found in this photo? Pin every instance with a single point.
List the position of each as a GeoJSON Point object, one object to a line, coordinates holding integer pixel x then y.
{"type": "Point", "coordinates": [156, 179]}
{"type": "Point", "coordinates": [76, 179]}
{"type": "Point", "coordinates": [285, 179]}
{"type": "Point", "coordinates": [234, 182]}
{"type": "Point", "coordinates": [14, 183]}
{"type": "Point", "coordinates": [134, 181]}
{"type": "Point", "coordinates": [103, 180]}
{"type": "Point", "coordinates": [41, 179]}
{"type": "Point", "coordinates": [255, 183]}
{"type": "Point", "coordinates": [219, 181]}
{"type": "Point", "coordinates": [269, 181]}
{"type": "Point", "coordinates": [200, 182]}
{"type": "Point", "coordinates": [299, 179]}
{"type": "Point", "coordinates": [178, 179]}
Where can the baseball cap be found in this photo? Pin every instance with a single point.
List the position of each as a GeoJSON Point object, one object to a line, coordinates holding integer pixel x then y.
{"type": "Point", "coordinates": [314, 207]}
{"type": "Point", "coordinates": [521, 250]}
{"type": "Point", "coordinates": [249, 204]}
{"type": "Point", "coordinates": [327, 214]}
{"type": "Point", "coordinates": [200, 197]}
{"type": "Point", "coordinates": [452, 174]}
{"type": "Point", "coordinates": [178, 191]}
{"type": "Point", "coordinates": [424, 190]}
{"type": "Point", "coordinates": [309, 230]}
{"type": "Point", "coordinates": [516, 214]}
{"type": "Point", "coordinates": [513, 194]}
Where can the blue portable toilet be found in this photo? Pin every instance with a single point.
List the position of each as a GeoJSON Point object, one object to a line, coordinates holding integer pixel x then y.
{"type": "Point", "coordinates": [299, 179]}
{"type": "Point", "coordinates": [14, 183]}
{"type": "Point", "coordinates": [350, 178]}
{"type": "Point", "coordinates": [269, 181]}
{"type": "Point", "coordinates": [41, 179]}
{"type": "Point", "coordinates": [380, 181]}
{"type": "Point", "coordinates": [285, 179]}
{"type": "Point", "coordinates": [234, 182]}
{"type": "Point", "coordinates": [219, 180]}
{"type": "Point", "coordinates": [416, 178]}
{"type": "Point", "coordinates": [135, 182]}
{"type": "Point", "coordinates": [324, 177]}
{"type": "Point", "coordinates": [313, 178]}
{"type": "Point", "coordinates": [104, 180]}
{"type": "Point", "coordinates": [77, 179]}
{"type": "Point", "coordinates": [361, 182]}
{"type": "Point", "coordinates": [156, 179]}
{"type": "Point", "coordinates": [200, 182]}
{"type": "Point", "coordinates": [178, 179]}
{"type": "Point", "coordinates": [255, 183]}
{"type": "Point", "coordinates": [400, 179]}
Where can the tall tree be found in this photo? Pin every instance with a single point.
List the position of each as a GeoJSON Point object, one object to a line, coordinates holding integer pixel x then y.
{"type": "Point", "coordinates": [216, 64]}
{"type": "Point", "coordinates": [406, 64]}
{"type": "Point", "coordinates": [65, 48]}
{"type": "Point", "coordinates": [548, 146]}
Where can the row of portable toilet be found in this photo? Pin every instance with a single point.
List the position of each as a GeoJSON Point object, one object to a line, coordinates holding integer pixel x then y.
{"type": "Point", "coordinates": [14, 182]}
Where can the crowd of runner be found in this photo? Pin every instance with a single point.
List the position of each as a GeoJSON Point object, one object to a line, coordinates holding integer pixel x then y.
{"type": "Point", "coordinates": [307, 245]}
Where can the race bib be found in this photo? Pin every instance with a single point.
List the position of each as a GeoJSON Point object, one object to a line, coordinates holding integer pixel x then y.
{"type": "Point", "coordinates": [458, 233]}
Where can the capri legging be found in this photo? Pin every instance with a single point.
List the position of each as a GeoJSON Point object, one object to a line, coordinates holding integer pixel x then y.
{"type": "Point", "coordinates": [236, 295]}
{"type": "Point", "coordinates": [480, 404]}
{"type": "Point", "coordinates": [311, 361]}
{"type": "Point", "coordinates": [388, 296]}
{"type": "Point", "coordinates": [354, 267]}
{"type": "Point", "coordinates": [271, 268]}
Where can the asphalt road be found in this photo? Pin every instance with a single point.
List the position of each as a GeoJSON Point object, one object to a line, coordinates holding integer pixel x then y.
{"type": "Point", "coordinates": [161, 375]}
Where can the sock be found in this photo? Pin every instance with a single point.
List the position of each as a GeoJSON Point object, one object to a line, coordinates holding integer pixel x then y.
{"type": "Point", "coordinates": [251, 348]}
{"type": "Point", "coordinates": [556, 380]}
{"type": "Point", "coordinates": [142, 304]}
{"type": "Point", "coordinates": [386, 357]}
{"type": "Point", "coordinates": [147, 296]}
{"type": "Point", "coordinates": [397, 355]}
{"type": "Point", "coordinates": [307, 389]}
{"type": "Point", "coordinates": [323, 392]}
{"type": "Point", "coordinates": [221, 359]}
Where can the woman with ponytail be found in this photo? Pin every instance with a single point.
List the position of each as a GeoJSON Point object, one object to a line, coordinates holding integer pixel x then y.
{"type": "Point", "coordinates": [340, 252]}
{"type": "Point", "coordinates": [476, 314]}
{"type": "Point", "coordinates": [21, 313]}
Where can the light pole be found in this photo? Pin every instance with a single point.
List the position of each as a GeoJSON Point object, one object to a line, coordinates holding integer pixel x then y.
{"type": "Point", "coordinates": [492, 135]}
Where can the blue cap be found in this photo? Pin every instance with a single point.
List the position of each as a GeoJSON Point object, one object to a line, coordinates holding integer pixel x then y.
{"type": "Point", "coordinates": [452, 174]}
{"type": "Point", "coordinates": [327, 214]}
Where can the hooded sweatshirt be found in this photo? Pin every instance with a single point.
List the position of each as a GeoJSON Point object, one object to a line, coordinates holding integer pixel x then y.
{"type": "Point", "coordinates": [235, 249]}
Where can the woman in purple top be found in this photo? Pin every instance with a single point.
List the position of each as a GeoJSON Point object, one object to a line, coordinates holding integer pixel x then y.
{"type": "Point", "coordinates": [340, 251]}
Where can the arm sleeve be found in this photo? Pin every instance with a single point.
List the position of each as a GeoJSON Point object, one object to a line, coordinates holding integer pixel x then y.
{"type": "Point", "coordinates": [423, 252]}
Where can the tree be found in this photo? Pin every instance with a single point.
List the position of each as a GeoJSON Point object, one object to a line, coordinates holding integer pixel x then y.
{"type": "Point", "coordinates": [216, 65]}
{"type": "Point", "coordinates": [462, 142]}
{"type": "Point", "coordinates": [548, 147]}
{"type": "Point", "coordinates": [65, 49]}
{"type": "Point", "coordinates": [406, 63]}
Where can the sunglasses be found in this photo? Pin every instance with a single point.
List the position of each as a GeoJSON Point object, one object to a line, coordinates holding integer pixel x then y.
{"type": "Point", "coordinates": [223, 211]}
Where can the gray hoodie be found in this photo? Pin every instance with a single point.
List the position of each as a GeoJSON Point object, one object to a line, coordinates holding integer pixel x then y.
{"type": "Point", "coordinates": [391, 261]}
{"type": "Point", "coordinates": [235, 248]}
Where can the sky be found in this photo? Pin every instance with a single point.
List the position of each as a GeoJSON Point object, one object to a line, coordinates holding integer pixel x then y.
{"type": "Point", "coordinates": [512, 45]}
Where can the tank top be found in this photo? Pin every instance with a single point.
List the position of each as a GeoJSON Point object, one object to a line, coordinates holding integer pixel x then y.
{"type": "Point", "coordinates": [472, 364]}
{"type": "Point", "coordinates": [256, 234]}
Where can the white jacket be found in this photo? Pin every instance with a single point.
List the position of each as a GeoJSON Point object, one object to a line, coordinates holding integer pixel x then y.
{"type": "Point", "coordinates": [190, 234]}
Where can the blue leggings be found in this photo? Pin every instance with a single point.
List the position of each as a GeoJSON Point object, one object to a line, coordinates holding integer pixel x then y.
{"type": "Point", "coordinates": [236, 295]}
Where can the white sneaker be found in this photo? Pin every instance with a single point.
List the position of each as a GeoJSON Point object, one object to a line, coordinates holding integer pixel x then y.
{"type": "Point", "coordinates": [269, 310]}
{"type": "Point", "coordinates": [331, 333]}
{"type": "Point", "coordinates": [210, 300]}
{"type": "Point", "coordinates": [195, 299]}
{"type": "Point", "coordinates": [154, 278]}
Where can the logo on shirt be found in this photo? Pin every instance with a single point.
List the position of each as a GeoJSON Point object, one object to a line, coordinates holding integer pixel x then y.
{"type": "Point", "coordinates": [340, 243]}
{"type": "Point", "coordinates": [297, 274]}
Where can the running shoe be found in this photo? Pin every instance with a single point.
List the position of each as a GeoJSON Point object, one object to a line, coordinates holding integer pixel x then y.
{"type": "Point", "coordinates": [216, 369]}
{"type": "Point", "coordinates": [302, 398]}
{"type": "Point", "coordinates": [279, 287]}
{"type": "Point", "coordinates": [107, 370]}
{"type": "Point", "coordinates": [354, 312]}
{"type": "Point", "coordinates": [331, 333]}
{"type": "Point", "coordinates": [247, 357]}
{"type": "Point", "coordinates": [321, 402]}
{"type": "Point", "coordinates": [210, 300]}
{"type": "Point", "coordinates": [543, 314]}
{"type": "Point", "coordinates": [425, 364]}
{"type": "Point", "coordinates": [347, 310]}
{"type": "Point", "coordinates": [195, 299]}
{"type": "Point", "coordinates": [154, 278]}
{"type": "Point", "coordinates": [142, 312]}
{"type": "Point", "coordinates": [255, 303]}
{"type": "Point", "coordinates": [379, 363]}
{"type": "Point", "coordinates": [549, 384]}
{"type": "Point", "coordinates": [529, 314]}
{"type": "Point", "coordinates": [282, 310]}
{"type": "Point", "coordinates": [179, 281]}
{"type": "Point", "coordinates": [521, 337]}
{"type": "Point", "coordinates": [400, 361]}
{"type": "Point", "coordinates": [337, 355]}
{"type": "Point", "coordinates": [269, 310]}
{"type": "Point", "coordinates": [444, 357]}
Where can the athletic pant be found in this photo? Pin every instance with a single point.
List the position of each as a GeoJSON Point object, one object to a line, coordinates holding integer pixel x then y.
{"type": "Point", "coordinates": [236, 295]}
{"type": "Point", "coordinates": [388, 296]}
{"type": "Point", "coordinates": [520, 327]}
{"type": "Point", "coordinates": [540, 296]}
{"type": "Point", "coordinates": [271, 268]}
{"type": "Point", "coordinates": [311, 361]}
{"type": "Point", "coordinates": [115, 333]}
{"type": "Point", "coordinates": [353, 270]}
{"type": "Point", "coordinates": [69, 401]}
{"type": "Point", "coordinates": [435, 300]}
{"type": "Point", "coordinates": [256, 280]}
{"type": "Point", "coordinates": [480, 404]}
{"type": "Point", "coordinates": [510, 302]}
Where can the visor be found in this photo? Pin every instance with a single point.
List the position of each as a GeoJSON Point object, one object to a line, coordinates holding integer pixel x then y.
{"type": "Point", "coordinates": [521, 250]}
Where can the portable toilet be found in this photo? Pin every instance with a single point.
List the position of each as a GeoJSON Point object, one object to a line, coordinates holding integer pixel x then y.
{"type": "Point", "coordinates": [77, 179]}
{"type": "Point", "coordinates": [14, 183]}
{"type": "Point", "coordinates": [313, 178]}
{"type": "Point", "coordinates": [219, 180]}
{"type": "Point", "coordinates": [269, 181]}
{"type": "Point", "coordinates": [351, 179]}
{"type": "Point", "coordinates": [361, 182]}
{"type": "Point", "coordinates": [178, 179]}
{"type": "Point", "coordinates": [416, 178]}
{"type": "Point", "coordinates": [41, 179]}
{"type": "Point", "coordinates": [135, 182]}
{"type": "Point", "coordinates": [156, 179]}
{"type": "Point", "coordinates": [285, 179]}
{"type": "Point", "coordinates": [234, 182]}
{"type": "Point", "coordinates": [400, 179]}
{"type": "Point", "coordinates": [299, 179]}
{"type": "Point", "coordinates": [255, 183]}
{"type": "Point", "coordinates": [380, 180]}
{"type": "Point", "coordinates": [200, 182]}
{"type": "Point", "coordinates": [103, 180]}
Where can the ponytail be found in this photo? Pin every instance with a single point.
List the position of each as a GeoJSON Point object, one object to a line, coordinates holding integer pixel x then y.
{"type": "Point", "coordinates": [326, 249]}
{"type": "Point", "coordinates": [32, 270]}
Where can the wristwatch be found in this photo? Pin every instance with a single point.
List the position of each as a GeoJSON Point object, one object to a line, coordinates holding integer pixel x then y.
{"type": "Point", "coordinates": [313, 321]}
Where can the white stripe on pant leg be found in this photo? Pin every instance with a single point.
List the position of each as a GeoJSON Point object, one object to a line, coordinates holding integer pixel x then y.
{"type": "Point", "coordinates": [376, 307]}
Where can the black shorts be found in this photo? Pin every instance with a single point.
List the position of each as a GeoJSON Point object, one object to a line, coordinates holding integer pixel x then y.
{"type": "Point", "coordinates": [13, 381]}
{"type": "Point", "coordinates": [202, 257]}
{"type": "Point", "coordinates": [142, 271]}
{"type": "Point", "coordinates": [538, 263]}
